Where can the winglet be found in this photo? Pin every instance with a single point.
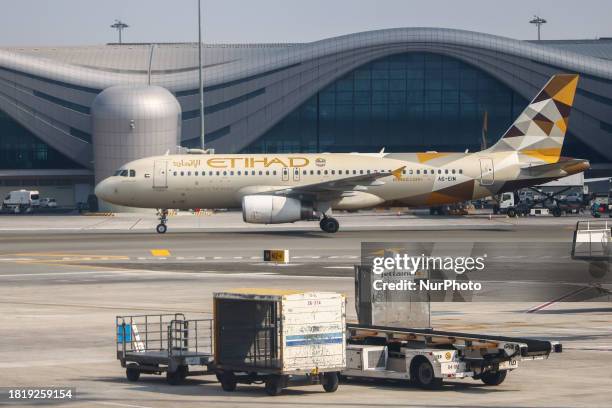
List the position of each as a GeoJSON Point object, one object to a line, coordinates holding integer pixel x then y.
{"type": "Point", "coordinates": [398, 172]}
{"type": "Point", "coordinates": [382, 152]}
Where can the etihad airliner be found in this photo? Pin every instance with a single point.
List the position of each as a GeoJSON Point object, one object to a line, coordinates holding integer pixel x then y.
{"type": "Point", "coordinates": [284, 188]}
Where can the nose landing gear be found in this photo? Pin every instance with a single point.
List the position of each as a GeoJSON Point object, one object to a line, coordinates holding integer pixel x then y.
{"type": "Point", "coordinates": [163, 219]}
{"type": "Point", "coordinates": [330, 225]}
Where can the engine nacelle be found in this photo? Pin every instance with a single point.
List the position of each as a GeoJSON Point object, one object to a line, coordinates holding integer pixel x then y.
{"type": "Point", "coordinates": [269, 209]}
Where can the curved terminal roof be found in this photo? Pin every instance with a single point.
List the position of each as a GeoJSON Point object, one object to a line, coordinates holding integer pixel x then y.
{"type": "Point", "coordinates": [174, 66]}
{"type": "Point", "coordinates": [250, 87]}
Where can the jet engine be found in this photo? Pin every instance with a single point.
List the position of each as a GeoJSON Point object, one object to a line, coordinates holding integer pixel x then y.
{"type": "Point", "coordinates": [269, 209]}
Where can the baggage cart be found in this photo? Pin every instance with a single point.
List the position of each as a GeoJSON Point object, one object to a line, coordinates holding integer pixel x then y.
{"type": "Point", "coordinates": [164, 343]}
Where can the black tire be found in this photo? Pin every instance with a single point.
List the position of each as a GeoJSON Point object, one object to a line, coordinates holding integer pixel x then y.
{"type": "Point", "coordinates": [424, 376]}
{"type": "Point", "coordinates": [556, 212]}
{"type": "Point", "coordinates": [323, 224]}
{"type": "Point", "coordinates": [161, 228]}
{"type": "Point", "coordinates": [496, 378]}
{"type": "Point", "coordinates": [228, 381]}
{"type": "Point", "coordinates": [274, 385]}
{"type": "Point", "coordinates": [330, 382]}
{"type": "Point", "coordinates": [511, 212]}
{"type": "Point", "coordinates": [329, 225]}
{"type": "Point", "coordinates": [176, 377]}
{"type": "Point", "coordinates": [132, 374]}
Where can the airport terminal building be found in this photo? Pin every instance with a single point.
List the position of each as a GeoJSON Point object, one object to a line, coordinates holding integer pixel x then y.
{"type": "Point", "coordinates": [405, 89]}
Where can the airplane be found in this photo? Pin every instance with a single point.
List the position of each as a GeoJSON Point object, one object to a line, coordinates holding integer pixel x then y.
{"type": "Point", "coordinates": [285, 188]}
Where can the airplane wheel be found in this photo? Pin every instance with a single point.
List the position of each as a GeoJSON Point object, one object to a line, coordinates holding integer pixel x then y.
{"type": "Point", "coordinates": [556, 212]}
{"type": "Point", "coordinates": [329, 225]}
{"type": "Point", "coordinates": [161, 228]}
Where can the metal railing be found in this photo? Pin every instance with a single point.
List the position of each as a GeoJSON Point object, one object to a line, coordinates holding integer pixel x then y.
{"type": "Point", "coordinates": [186, 337]}
{"type": "Point", "coordinates": [592, 240]}
{"type": "Point", "coordinates": [141, 333]}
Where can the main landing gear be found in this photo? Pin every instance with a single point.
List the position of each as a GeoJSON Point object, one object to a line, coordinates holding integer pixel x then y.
{"type": "Point", "coordinates": [163, 219]}
{"type": "Point", "coordinates": [330, 225]}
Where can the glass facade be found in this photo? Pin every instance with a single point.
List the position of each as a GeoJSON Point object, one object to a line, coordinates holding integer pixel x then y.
{"type": "Point", "coordinates": [20, 149]}
{"type": "Point", "coordinates": [405, 102]}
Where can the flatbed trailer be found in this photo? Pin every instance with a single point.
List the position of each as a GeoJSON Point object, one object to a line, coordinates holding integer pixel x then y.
{"type": "Point", "coordinates": [427, 356]}
{"type": "Point", "coordinates": [164, 343]}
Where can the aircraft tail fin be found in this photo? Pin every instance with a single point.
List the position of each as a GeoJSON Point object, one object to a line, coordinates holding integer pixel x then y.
{"type": "Point", "coordinates": [538, 133]}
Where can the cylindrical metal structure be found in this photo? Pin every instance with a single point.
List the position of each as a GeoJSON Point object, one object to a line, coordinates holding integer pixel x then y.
{"type": "Point", "coordinates": [132, 122]}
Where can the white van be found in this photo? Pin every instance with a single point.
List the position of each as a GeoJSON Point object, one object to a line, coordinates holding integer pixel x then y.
{"type": "Point", "coordinates": [21, 200]}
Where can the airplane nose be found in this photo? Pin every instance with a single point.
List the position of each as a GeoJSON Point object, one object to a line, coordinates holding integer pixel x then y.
{"type": "Point", "coordinates": [104, 190]}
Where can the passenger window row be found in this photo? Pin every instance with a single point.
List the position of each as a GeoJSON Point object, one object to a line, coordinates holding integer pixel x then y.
{"type": "Point", "coordinates": [226, 173]}
{"type": "Point", "coordinates": [433, 171]}
{"type": "Point", "coordinates": [304, 172]}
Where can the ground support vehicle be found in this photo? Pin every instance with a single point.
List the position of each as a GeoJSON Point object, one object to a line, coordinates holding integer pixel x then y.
{"type": "Point", "coordinates": [279, 338]}
{"type": "Point", "coordinates": [20, 201]}
{"type": "Point", "coordinates": [164, 343]}
{"type": "Point", "coordinates": [544, 203]}
{"type": "Point", "coordinates": [379, 348]}
{"type": "Point", "coordinates": [426, 357]}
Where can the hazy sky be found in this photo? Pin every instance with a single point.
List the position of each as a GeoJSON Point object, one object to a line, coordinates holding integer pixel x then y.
{"type": "Point", "coordinates": [75, 22]}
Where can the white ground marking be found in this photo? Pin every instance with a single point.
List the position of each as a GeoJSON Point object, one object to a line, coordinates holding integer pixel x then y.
{"type": "Point", "coordinates": [16, 259]}
{"type": "Point", "coordinates": [53, 274]}
{"type": "Point", "coordinates": [338, 267]}
{"type": "Point", "coordinates": [117, 404]}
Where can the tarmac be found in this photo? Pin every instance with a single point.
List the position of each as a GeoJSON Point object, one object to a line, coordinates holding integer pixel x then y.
{"type": "Point", "coordinates": [63, 279]}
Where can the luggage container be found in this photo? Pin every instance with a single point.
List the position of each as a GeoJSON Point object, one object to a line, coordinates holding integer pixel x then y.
{"type": "Point", "coordinates": [279, 337]}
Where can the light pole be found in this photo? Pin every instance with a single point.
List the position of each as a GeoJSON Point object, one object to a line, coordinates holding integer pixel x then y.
{"type": "Point", "coordinates": [119, 26]}
{"type": "Point", "coordinates": [200, 77]}
{"type": "Point", "coordinates": [538, 21]}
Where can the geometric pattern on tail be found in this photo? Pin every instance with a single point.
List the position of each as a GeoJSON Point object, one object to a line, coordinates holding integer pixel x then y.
{"type": "Point", "coordinates": [538, 132]}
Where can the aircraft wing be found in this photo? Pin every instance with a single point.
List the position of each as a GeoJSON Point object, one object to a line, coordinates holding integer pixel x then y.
{"type": "Point", "coordinates": [336, 187]}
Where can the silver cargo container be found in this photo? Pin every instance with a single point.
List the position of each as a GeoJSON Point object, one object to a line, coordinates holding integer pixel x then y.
{"type": "Point", "coordinates": [282, 337]}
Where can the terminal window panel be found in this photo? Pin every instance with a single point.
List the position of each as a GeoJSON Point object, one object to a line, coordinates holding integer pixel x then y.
{"type": "Point", "coordinates": [21, 149]}
{"type": "Point", "coordinates": [405, 102]}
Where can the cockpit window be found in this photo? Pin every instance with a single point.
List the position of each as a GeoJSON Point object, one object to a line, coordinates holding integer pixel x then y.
{"type": "Point", "coordinates": [132, 173]}
{"type": "Point", "coordinates": [121, 173]}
